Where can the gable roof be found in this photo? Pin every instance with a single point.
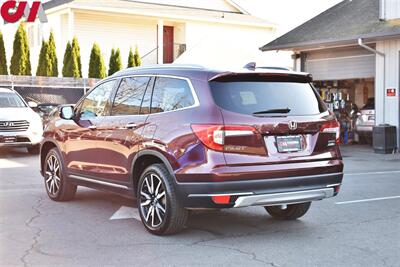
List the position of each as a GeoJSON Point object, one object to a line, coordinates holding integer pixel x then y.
{"type": "Point", "coordinates": [342, 24]}
{"type": "Point", "coordinates": [229, 6]}
{"type": "Point", "coordinates": [140, 7]}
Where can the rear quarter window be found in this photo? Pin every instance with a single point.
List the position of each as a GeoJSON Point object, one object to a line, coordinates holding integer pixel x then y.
{"type": "Point", "coordinates": [249, 97]}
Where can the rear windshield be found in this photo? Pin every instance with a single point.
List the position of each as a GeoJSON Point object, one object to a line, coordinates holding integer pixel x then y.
{"type": "Point", "coordinates": [370, 104]}
{"type": "Point", "coordinates": [290, 98]}
{"type": "Point", "coordinates": [11, 100]}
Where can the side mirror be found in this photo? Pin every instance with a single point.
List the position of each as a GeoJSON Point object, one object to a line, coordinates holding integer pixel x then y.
{"type": "Point", "coordinates": [67, 112]}
{"type": "Point", "coordinates": [32, 104]}
{"type": "Point", "coordinates": [358, 114]}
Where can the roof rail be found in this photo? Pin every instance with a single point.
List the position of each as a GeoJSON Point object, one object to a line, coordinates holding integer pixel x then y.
{"type": "Point", "coordinates": [253, 66]}
{"type": "Point", "coordinates": [160, 67]}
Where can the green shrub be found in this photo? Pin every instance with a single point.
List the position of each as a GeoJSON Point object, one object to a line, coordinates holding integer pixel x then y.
{"type": "Point", "coordinates": [44, 67]}
{"type": "Point", "coordinates": [20, 60]}
{"type": "Point", "coordinates": [52, 52]}
{"type": "Point", "coordinates": [131, 60]}
{"type": "Point", "coordinates": [137, 59]}
{"type": "Point", "coordinates": [77, 54]}
{"type": "Point", "coordinates": [115, 63]}
{"type": "Point", "coordinates": [3, 58]}
{"type": "Point", "coordinates": [97, 68]}
{"type": "Point", "coordinates": [67, 70]}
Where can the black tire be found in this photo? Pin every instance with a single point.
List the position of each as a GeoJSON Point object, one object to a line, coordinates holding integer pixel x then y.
{"type": "Point", "coordinates": [292, 212]}
{"type": "Point", "coordinates": [154, 197]}
{"type": "Point", "coordinates": [34, 150]}
{"type": "Point", "coordinates": [62, 189]}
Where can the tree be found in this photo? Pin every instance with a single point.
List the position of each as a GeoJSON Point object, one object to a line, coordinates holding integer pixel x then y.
{"type": "Point", "coordinates": [115, 62]}
{"type": "Point", "coordinates": [70, 63]}
{"type": "Point", "coordinates": [20, 60]}
{"type": "Point", "coordinates": [45, 67]}
{"type": "Point", "coordinates": [97, 69]}
{"type": "Point", "coordinates": [52, 55]}
{"type": "Point", "coordinates": [131, 60]}
{"type": "Point", "coordinates": [77, 49]}
{"type": "Point", "coordinates": [3, 58]}
{"type": "Point", "coordinates": [137, 59]}
{"type": "Point", "coordinates": [67, 70]}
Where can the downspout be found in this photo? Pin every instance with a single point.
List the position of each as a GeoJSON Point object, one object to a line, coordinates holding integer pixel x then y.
{"type": "Point", "coordinates": [360, 43]}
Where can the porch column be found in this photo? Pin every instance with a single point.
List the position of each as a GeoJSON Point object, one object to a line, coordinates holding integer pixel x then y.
{"type": "Point", "coordinates": [71, 19]}
{"type": "Point", "coordinates": [160, 42]}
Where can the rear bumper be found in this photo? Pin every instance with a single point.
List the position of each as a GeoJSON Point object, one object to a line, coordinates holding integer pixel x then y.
{"type": "Point", "coordinates": [364, 129]}
{"type": "Point", "coordinates": [284, 198]}
{"type": "Point", "coordinates": [276, 191]}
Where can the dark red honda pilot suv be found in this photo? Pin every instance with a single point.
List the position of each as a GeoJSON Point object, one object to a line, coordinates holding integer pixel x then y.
{"type": "Point", "coordinates": [186, 137]}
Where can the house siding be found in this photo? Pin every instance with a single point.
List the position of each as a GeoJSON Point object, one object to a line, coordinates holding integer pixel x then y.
{"type": "Point", "coordinates": [391, 9]}
{"type": "Point", "coordinates": [387, 76]}
{"type": "Point", "coordinates": [115, 32]}
{"type": "Point", "coordinates": [226, 46]}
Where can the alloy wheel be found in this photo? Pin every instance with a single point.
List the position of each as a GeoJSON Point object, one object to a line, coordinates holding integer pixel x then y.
{"type": "Point", "coordinates": [52, 177]}
{"type": "Point", "coordinates": [153, 203]}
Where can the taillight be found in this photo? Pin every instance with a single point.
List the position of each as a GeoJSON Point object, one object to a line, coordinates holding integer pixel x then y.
{"type": "Point", "coordinates": [214, 136]}
{"type": "Point", "coordinates": [332, 127]}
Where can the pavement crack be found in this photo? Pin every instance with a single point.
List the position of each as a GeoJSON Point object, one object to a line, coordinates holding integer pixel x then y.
{"type": "Point", "coordinates": [251, 254]}
{"type": "Point", "coordinates": [38, 231]}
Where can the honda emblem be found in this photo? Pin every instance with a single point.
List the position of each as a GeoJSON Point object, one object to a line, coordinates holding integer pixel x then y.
{"type": "Point", "coordinates": [292, 125]}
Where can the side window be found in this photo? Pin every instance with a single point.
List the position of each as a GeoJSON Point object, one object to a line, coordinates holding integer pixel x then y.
{"type": "Point", "coordinates": [145, 108]}
{"type": "Point", "coordinates": [97, 102]}
{"type": "Point", "coordinates": [129, 96]}
{"type": "Point", "coordinates": [171, 94]}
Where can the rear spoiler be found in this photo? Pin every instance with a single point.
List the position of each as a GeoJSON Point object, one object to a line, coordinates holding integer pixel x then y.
{"type": "Point", "coordinates": [262, 76]}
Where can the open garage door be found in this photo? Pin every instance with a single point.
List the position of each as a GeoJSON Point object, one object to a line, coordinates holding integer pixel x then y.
{"type": "Point", "coordinates": [340, 64]}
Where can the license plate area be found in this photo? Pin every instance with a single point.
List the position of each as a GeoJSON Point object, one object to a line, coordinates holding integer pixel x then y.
{"type": "Point", "coordinates": [288, 144]}
{"type": "Point", "coordinates": [8, 139]}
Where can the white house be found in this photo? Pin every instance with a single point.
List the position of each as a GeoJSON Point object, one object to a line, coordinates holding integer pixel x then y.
{"type": "Point", "coordinates": [208, 32]}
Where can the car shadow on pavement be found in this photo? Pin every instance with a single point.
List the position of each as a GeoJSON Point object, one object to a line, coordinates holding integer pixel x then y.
{"type": "Point", "coordinates": [203, 224]}
{"type": "Point", "coordinates": [15, 153]}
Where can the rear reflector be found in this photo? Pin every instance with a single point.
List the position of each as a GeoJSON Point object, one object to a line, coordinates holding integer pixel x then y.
{"type": "Point", "coordinates": [221, 199]}
{"type": "Point", "coordinates": [213, 136]}
{"type": "Point", "coordinates": [337, 189]}
{"type": "Point", "coordinates": [332, 127]}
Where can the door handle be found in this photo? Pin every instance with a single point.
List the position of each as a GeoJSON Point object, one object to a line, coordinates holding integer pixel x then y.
{"type": "Point", "coordinates": [130, 126]}
{"type": "Point", "coordinates": [92, 127]}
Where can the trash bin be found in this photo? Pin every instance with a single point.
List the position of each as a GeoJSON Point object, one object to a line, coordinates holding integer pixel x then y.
{"type": "Point", "coordinates": [384, 139]}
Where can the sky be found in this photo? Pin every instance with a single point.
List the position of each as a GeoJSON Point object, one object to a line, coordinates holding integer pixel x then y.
{"type": "Point", "coordinates": [287, 14]}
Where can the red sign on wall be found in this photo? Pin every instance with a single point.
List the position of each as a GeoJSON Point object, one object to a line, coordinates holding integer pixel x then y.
{"type": "Point", "coordinates": [391, 92]}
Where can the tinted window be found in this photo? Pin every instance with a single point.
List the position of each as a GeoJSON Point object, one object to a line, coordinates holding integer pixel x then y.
{"type": "Point", "coordinates": [171, 94]}
{"type": "Point", "coordinates": [145, 108]}
{"type": "Point", "coordinates": [370, 104]}
{"type": "Point", "coordinates": [11, 100]}
{"type": "Point", "coordinates": [251, 97]}
{"type": "Point", "coordinates": [129, 96]}
{"type": "Point", "coordinates": [97, 102]}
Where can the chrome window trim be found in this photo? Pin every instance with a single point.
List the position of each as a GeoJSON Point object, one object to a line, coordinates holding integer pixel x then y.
{"type": "Point", "coordinates": [98, 181]}
{"type": "Point", "coordinates": [194, 94]}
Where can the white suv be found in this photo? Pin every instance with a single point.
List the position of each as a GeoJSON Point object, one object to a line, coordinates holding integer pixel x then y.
{"type": "Point", "coordinates": [20, 126]}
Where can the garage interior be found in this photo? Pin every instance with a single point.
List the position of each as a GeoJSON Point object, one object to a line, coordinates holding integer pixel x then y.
{"type": "Point", "coordinates": [345, 79]}
{"type": "Point", "coordinates": [346, 98]}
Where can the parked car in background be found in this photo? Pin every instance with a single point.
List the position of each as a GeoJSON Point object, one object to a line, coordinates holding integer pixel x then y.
{"type": "Point", "coordinates": [46, 111]}
{"type": "Point", "coordinates": [366, 121]}
{"type": "Point", "coordinates": [185, 137]}
{"type": "Point", "coordinates": [20, 126]}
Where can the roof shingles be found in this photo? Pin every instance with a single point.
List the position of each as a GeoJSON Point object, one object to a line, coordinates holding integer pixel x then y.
{"type": "Point", "coordinates": [344, 22]}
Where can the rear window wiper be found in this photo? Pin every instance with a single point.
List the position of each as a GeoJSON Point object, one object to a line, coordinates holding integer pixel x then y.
{"type": "Point", "coordinates": [273, 111]}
